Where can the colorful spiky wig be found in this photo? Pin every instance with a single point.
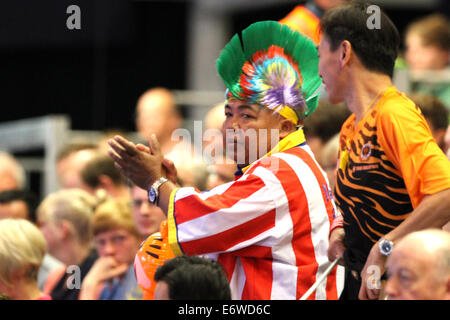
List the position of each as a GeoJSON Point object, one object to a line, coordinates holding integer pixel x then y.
{"type": "Point", "coordinates": [275, 67]}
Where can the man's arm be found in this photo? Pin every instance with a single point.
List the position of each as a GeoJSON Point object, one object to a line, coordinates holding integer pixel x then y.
{"type": "Point", "coordinates": [432, 212]}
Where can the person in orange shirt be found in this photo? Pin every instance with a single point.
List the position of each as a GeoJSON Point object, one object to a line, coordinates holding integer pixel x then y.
{"type": "Point", "coordinates": [392, 179]}
{"type": "Point", "coordinates": [305, 17]}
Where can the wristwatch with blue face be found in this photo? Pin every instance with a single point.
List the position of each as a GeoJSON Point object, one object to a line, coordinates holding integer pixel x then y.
{"type": "Point", "coordinates": [385, 246]}
{"type": "Point", "coordinates": [153, 192]}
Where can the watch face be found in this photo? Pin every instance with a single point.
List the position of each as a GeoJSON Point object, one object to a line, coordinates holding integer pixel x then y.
{"type": "Point", "coordinates": [386, 247]}
{"type": "Point", "coordinates": [151, 195]}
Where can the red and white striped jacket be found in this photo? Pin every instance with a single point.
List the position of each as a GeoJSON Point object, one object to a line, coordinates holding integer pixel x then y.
{"type": "Point", "coordinates": [269, 228]}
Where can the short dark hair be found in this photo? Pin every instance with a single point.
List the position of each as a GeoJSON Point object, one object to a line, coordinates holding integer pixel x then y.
{"type": "Point", "coordinates": [377, 48]}
{"type": "Point", "coordinates": [31, 200]}
{"type": "Point", "coordinates": [101, 165]}
{"type": "Point", "coordinates": [194, 278]}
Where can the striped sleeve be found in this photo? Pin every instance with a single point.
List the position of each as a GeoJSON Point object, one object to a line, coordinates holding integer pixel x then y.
{"type": "Point", "coordinates": [227, 218]}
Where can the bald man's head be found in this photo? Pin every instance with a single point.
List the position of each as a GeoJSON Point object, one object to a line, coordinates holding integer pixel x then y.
{"type": "Point", "coordinates": [419, 267]}
{"type": "Point", "coordinates": [156, 113]}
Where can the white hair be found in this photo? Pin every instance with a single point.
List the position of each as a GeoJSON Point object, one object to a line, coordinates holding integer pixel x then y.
{"type": "Point", "coordinates": [73, 205]}
{"type": "Point", "coordinates": [22, 246]}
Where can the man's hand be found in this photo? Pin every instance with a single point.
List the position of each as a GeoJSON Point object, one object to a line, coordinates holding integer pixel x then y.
{"type": "Point", "coordinates": [168, 167]}
{"type": "Point", "coordinates": [104, 269]}
{"type": "Point", "coordinates": [337, 246]}
{"type": "Point", "coordinates": [140, 165]}
{"type": "Point", "coordinates": [371, 275]}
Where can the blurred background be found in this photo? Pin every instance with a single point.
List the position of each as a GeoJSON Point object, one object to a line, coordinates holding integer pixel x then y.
{"type": "Point", "coordinates": [89, 80]}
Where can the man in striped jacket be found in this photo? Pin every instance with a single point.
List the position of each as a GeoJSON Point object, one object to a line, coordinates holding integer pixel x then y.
{"type": "Point", "coordinates": [268, 228]}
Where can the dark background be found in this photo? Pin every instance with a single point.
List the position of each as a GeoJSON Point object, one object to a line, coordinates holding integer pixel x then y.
{"type": "Point", "coordinates": [97, 73]}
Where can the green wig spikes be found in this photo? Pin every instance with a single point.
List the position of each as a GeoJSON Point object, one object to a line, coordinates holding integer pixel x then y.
{"type": "Point", "coordinates": [274, 66]}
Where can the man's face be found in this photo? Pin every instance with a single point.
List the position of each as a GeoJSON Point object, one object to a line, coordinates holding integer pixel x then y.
{"type": "Point", "coordinates": [248, 131]}
{"type": "Point", "coordinates": [147, 217]}
{"type": "Point", "coordinates": [330, 69]}
{"type": "Point", "coordinates": [424, 57]}
{"type": "Point", "coordinates": [120, 244]}
{"type": "Point", "coordinates": [69, 169]}
{"type": "Point", "coordinates": [15, 209]}
{"type": "Point", "coordinates": [411, 276]}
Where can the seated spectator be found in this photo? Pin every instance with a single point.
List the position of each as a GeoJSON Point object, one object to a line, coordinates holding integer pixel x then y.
{"type": "Point", "coordinates": [22, 204]}
{"type": "Point", "coordinates": [221, 169]}
{"type": "Point", "coordinates": [427, 43]}
{"type": "Point", "coordinates": [329, 158]}
{"type": "Point", "coordinates": [158, 114]}
{"type": "Point", "coordinates": [436, 115]}
{"type": "Point", "coordinates": [146, 216]}
{"type": "Point", "coordinates": [419, 267]}
{"type": "Point", "coordinates": [70, 161]}
{"type": "Point", "coordinates": [64, 219]}
{"type": "Point", "coordinates": [12, 174]}
{"type": "Point", "coordinates": [22, 249]}
{"type": "Point", "coordinates": [117, 241]}
{"type": "Point", "coordinates": [99, 174]}
{"type": "Point", "coordinates": [191, 278]}
{"type": "Point", "coordinates": [17, 203]}
{"type": "Point", "coordinates": [220, 172]}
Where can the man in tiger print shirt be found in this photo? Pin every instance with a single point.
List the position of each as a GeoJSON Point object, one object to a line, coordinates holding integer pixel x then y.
{"type": "Point", "coordinates": [392, 177]}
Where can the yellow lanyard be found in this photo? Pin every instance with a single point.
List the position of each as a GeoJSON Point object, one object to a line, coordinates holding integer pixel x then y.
{"type": "Point", "coordinates": [343, 159]}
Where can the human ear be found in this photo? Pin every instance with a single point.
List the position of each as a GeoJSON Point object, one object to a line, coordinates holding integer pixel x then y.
{"type": "Point", "coordinates": [286, 127]}
{"type": "Point", "coordinates": [346, 52]}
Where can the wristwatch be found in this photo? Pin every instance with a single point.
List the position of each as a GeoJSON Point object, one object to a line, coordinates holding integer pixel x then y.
{"type": "Point", "coordinates": [153, 192]}
{"type": "Point", "coordinates": [385, 246]}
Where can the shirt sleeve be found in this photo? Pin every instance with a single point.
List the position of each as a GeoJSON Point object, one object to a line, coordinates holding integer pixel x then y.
{"type": "Point", "coordinates": [227, 218]}
{"type": "Point", "coordinates": [408, 142]}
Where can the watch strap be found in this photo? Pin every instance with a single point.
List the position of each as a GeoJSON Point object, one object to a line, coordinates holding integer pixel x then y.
{"type": "Point", "coordinates": [155, 186]}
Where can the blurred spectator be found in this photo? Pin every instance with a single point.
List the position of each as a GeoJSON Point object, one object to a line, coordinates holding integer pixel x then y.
{"type": "Point", "coordinates": [22, 204]}
{"type": "Point", "coordinates": [100, 174]}
{"type": "Point", "coordinates": [427, 48]}
{"type": "Point", "coordinates": [222, 169]}
{"type": "Point", "coordinates": [106, 135]}
{"type": "Point", "coordinates": [147, 217]}
{"type": "Point", "coordinates": [12, 174]}
{"type": "Point", "coordinates": [447, 141]}
{"type": "Point", "coordinates": [63, 218]}
{"type": "Point", "coordinates": [436, 115]}
{"type": "Point", "coordinates": [419, 267]}
{"type": "Point", "coordinates": [191, 278]}
{"type": "Point", "coordinates": [70, 161]}
{"type": "Point", "coordinates": [215, 116]}
{"type": "Point", "coordinates": [323, 124]}
{"type": "Point", "coordinates": [22, 249]}
{"type": "Point", "coordinates": [220, 172]}
{"type": "Point", "coordinates": [305, 17]}
{"type": "Point", "coordinates": [117, 241]}
{"type": "Point", "coordinates": [18, 204]}
{"type": "Point", "coordinates": [156, 113]}
{"type": "Point", "coordinates": [329, 158]}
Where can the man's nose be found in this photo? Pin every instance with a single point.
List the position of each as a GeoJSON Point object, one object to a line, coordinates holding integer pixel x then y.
{"type": "Point", "coordinates": [109, 249]}
{"type": "Point", "coordinates": [390, 288]}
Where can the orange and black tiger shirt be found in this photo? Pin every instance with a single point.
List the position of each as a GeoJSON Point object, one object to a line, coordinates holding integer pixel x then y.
{"type": "Point", "coordinates": [387, 164]}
